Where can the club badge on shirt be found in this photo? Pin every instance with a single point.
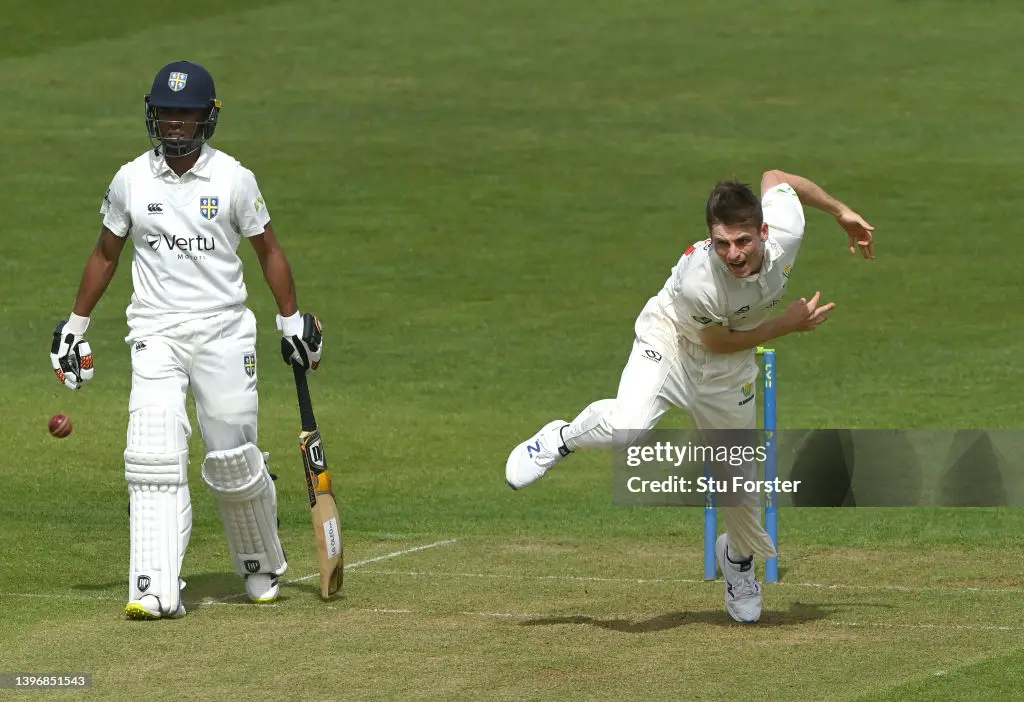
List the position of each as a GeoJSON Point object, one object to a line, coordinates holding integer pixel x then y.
{"type": "Point", "coordinates": [209, 207]}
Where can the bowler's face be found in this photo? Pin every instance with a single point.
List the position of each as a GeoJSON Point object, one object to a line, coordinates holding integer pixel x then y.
{"type": "Point", "coordinates": [740, 248]}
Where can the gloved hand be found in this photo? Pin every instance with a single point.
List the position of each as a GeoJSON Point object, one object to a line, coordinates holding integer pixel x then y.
{"type": "Point", "coordinates": [70, 353]}
{"type": "Point", "coordinates": [301, 342]}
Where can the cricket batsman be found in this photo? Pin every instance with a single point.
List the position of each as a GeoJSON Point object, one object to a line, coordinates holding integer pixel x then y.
{"type": "Point", "coordinates": [695, 349]}
{"type": "Point", "coordinates": [186, 207]}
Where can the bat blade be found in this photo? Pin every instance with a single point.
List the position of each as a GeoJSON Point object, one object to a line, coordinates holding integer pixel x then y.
{"type": "Point", "coordinates": [323, 507]}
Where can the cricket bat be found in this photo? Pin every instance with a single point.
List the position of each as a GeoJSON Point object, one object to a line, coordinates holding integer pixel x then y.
{"type": "Point", "coordinates": [330, 547]}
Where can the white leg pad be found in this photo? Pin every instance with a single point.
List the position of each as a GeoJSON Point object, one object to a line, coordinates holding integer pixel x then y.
{"type": "Point", "coordinates": [156, 469]}
{"type": "Point", "coordinates": [241, 484]}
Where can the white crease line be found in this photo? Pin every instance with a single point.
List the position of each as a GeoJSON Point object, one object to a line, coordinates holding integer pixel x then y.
{"type": "Point", "coordinates": [694, 581]}
{"type": "Point", "coordinates": [58, 596]}
{"type": "Point", "coordinates": [585, 618]}
{"type": "Point", "coordinates": [348, 567]}
{"type": "Point", "coordinates": [889, 625]}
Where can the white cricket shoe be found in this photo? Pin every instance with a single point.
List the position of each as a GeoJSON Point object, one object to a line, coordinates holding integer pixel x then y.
{"type": "Point", "coordinates": [262, 588]}
{"type": "Point", "coordinates": [742, 591]}
{"type": "Point", "coordinates": [530, 460]}
{"type": "Point", "coordinates": [148, 607]}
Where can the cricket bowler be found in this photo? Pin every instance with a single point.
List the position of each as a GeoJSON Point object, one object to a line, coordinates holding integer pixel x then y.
{"type": "Point", "coordinates": [695, 349]}
{"type": "Point", "coordinates": [186, 207]}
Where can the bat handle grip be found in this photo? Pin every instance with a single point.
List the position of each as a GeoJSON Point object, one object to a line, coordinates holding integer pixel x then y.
{"type": "Point", "coordinates": [305, 402]}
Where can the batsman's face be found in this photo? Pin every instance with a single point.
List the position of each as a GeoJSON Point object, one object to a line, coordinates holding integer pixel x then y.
{"type": "Point", "coordinates": [740, 248]}
{"type": "Point", "coordinates": [176, 123]}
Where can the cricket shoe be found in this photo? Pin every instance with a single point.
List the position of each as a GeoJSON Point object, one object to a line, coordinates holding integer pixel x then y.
{"type": "Point", "coordinates": [530, 460]}
{"type": "Point", "coordinates": [148, 607]}
{"type": "Point", "coordinates": [262, 588]}
{"type": "Point", "coordinates": [742, 591]}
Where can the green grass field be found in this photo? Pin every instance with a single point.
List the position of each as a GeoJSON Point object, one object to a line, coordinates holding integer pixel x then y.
{"type": "Point", "coordinates": [477, 200]}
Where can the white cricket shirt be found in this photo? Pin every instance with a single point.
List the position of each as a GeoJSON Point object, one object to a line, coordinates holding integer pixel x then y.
{"type": "Point", "coordinates": [186, 233]}
{"type": "Point", "coordinates": [701, 291]}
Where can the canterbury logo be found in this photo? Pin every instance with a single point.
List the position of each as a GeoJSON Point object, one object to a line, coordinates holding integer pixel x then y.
{"type": "Point", "coordinates": [155, 207]}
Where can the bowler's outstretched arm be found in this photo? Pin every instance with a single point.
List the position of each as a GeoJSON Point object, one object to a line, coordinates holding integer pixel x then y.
{"type": "Point", "coordinates": [813, 195]}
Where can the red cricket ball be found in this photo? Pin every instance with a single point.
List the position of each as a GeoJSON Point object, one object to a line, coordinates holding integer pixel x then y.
{"type": "Point", "coordinates": [60, 426]}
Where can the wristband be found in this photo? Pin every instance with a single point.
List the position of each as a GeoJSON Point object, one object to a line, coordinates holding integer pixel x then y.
{"type": "Point", "coordinates": [77, 325]}
{"type": "Point", "coordinates": [290, 326]}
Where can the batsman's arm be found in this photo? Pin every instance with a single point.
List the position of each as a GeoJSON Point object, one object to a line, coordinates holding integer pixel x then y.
{"type": "Point", "coordinates": [99, 271]}
{"type": "Point", "coordinates": [276, 270]}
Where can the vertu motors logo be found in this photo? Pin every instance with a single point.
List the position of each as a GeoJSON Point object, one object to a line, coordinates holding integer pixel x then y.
{"type": "Point", "coordinates": [180, 243]}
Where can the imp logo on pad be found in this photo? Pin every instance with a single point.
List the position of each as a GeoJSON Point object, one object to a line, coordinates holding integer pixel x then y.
{"type": "Point", "coordinates": [142, 583]}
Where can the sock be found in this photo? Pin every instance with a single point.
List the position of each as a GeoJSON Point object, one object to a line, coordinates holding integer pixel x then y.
{"type": "Point", "coordinates": [563, 448]}
{"type": "Point", "coordinates": [742, 561]}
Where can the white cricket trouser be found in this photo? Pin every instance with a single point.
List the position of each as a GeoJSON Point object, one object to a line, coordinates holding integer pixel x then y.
{"type": "Point", "coordinates": [717, 391]}
{"type": "Point", "coordinates": [215, 358]}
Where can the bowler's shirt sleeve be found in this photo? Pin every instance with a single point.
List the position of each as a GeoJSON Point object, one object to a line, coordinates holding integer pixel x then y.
{"type": "Point", "coordinates": [783, 211]}
{"type": "Point", "coordinates": [249, 211]}
{"type": "Point", "coordinates": [116, 206]}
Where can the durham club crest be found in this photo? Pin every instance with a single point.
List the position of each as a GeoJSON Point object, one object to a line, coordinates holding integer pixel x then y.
{"type": "Point", "coordinates": [176, 81]}
{"type": "Point", "coordinates": [209, 207]}
{"type": "Point", "coordinates": [249, 362]}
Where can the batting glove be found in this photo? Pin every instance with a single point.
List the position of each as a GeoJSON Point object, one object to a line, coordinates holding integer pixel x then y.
{"type": "Point", "coordinates": [70, 353]}
{"type": "Point", "coordinates": [301, 341]}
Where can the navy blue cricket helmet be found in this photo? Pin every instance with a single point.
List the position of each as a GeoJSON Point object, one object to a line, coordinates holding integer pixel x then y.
{"type": "Point", "coordinates": [182, 85]}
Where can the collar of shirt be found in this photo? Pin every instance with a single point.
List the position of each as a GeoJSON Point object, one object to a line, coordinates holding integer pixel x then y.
{"type": "Point", "coordinates": [201, 169]}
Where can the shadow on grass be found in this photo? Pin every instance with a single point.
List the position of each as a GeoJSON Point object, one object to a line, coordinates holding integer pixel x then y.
{"type": "Point", "coordinates": [797, 614]}
{"type": "Point", "coordinates": [313, 588]}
